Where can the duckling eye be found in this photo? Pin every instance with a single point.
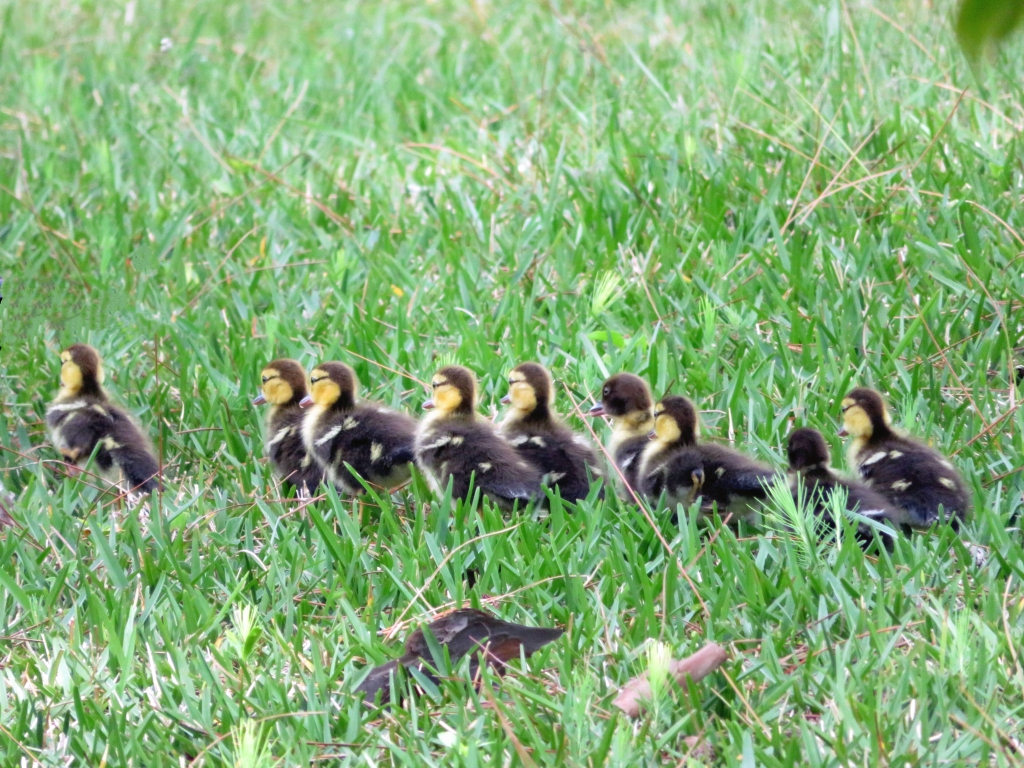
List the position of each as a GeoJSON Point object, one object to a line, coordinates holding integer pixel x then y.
{"type": "Point", "coordinates": [607, 391]}
{"type": "Point", "coordinates": [266, 379]}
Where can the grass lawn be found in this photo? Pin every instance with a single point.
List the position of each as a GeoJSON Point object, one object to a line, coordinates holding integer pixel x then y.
{"type": "Point", "coordinates": [756, 204]}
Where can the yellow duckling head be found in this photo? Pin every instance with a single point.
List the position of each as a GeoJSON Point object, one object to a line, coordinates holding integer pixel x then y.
{"type": "Point", "coordinates": [675, 421]}
{"type": "Point", "coordinates": [531, 392]}
{"type": "Point", "coordinates": [282, 382]}
{"type": "Point", "coordinates": [864, 414]}
{"type": "Point", "coordinates": [81, 371]}
{"type": "Point", "coordinates": [454, 391]}
{"type": "Point", "coordinates": [332, 385]}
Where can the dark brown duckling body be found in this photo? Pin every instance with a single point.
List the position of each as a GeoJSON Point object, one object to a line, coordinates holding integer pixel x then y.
{"type": "Point", "coordinates": [454, 444]}
{"type": "Point", "coordinates": [283, 385]}
{"type": "Point", "coordinates": [376, 442]}
{"type": "Point", "coordinates": [565, 459]}
{"type": "Point", "coordinates": [83, 422]}
{"type": "Point", "coordinates": [915, 478]}
{"type": "Point", "coordinates": [686, 470]}
{"type": "Point", "coordinates": [809, 461]}
{"type": "Point", "coordinates": [463, 631]}
{"type": "Point", "coordinates": [626, 400]}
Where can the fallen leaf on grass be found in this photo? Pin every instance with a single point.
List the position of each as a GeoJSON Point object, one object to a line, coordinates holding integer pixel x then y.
{"type": "Point", "coordinates": [698, 666]}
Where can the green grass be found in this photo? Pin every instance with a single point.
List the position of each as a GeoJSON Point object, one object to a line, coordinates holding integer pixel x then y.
{"type": "Point", "coordinates": [791, 199]}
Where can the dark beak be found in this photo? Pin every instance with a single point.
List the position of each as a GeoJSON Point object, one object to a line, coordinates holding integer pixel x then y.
{"type": "Point", "coordinates": [428, 405]}
{"type": "Point", "coordinates": [259, 399]}
{"type": "Point", "coordinates": [506, 400]}
{"type": "Point", "coordinates": [843, 432]}
{"type": "Point", "coordinates": [597, 410]}
{"type": "Point", "coordinates": [306, 402]}
{"type": "Point", "coordinates": [652, 435]}
{"type": "Point", "coordinates": [698, 478]}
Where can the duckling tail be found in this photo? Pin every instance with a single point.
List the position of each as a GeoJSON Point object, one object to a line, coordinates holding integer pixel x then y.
{"type": "Point", "coordinates": [130, 451]}
{"type": "Point", "coordinates": [140, 469]}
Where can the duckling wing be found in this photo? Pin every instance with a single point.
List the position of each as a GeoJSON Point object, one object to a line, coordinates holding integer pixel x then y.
{"type": "Point", "coordinates": [729, 472]}
{"type": "Point", "coordinates": [874, 506]}
{"type": "Point", "coordinates": [76, 427]}
{"type": "Point", "coordinates": [373, 441]}
{"type": "Point", "coordinates": [132, 452]}
{"type": "Point", "coordinates": [473, 453]}
{"type": "Point", "coordinates": [402, 454]}
{"type": "Point", "coordinates": [509, 488]}
{"type": "Point", "coordinates": [628, 457]}
{"type": "Point", "coordinates": [916, 479]}
{"type": "Point", "coordinates": [502, 476]}
{"type": "Point", "coordinates": [560, 457]}
{"type": "Point", "coordinates": [865, 501]}
{"type": "Point", "coordinates": [751, 482]}
{"type": "Point", "coordinates": [820, 485]}
{"type": "Point", "coordinates": [652, 483]}
{"type": "Point", "coordinates": [287, 451]}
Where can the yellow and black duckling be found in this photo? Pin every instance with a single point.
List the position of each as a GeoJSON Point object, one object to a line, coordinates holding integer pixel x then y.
{"type": "Point", "coordinates": [566, 460]}
{"type": "Point", "coordinates": [283, 385]}
{"type": "Point", "coordinates": [82, 422]}
{"type": "Point", "coordinates": [455, 443]}
{"type": "Point", "coordinates": [676, 465]}
{"type": "Point", "coordinates": [376, 442]}
{"type": "Point", "coordinates": [626, 400]}
{"type": "Point", "coordinates": [914, 477]}
{"type": "Point", "coordinates": [809, 460]}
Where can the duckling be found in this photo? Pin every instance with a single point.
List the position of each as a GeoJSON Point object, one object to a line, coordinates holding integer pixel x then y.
{"type": "Point", "coordinates": [283, 385]}
{"type": "Point", "coordinates": [541, 438]}
{"type": "Point", "coordinates": [671, 463]}
{"type": "Point", "coordinates": [675, 464]}
{"type": "Point", "coordinates": [914, 477]}
{"type": "Point", "coordinates": [454, 442]}
{"type": "Point", "coordinates": [626, 400]}
{"type": "Point", "coordinates": [462, 631]}
{"type": "Point", "coordinates": [375, 441]}
{"type": "Point", "coordinates": [82, 421]}
{"type": "Point", "coordinates": [809, 460]}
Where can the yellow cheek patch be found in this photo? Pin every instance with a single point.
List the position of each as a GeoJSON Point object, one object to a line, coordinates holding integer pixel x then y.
{"type": "Point", "coordinates": [847, 402]}
{"type": "Point", "coordinates": [278, 391]}
{"type": "Point", "coordinates": [524, 398]}
{"type": "Point", "coordinates": [70, 376]}
{"type": "Point", "coordinates": [447, 398]}
{"type": "Point", "coordinates": [666, 428]}
{"type": "Point", "coordinates": [856, 422]}
{"type": "Point", "coordinates": [324, 392]}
